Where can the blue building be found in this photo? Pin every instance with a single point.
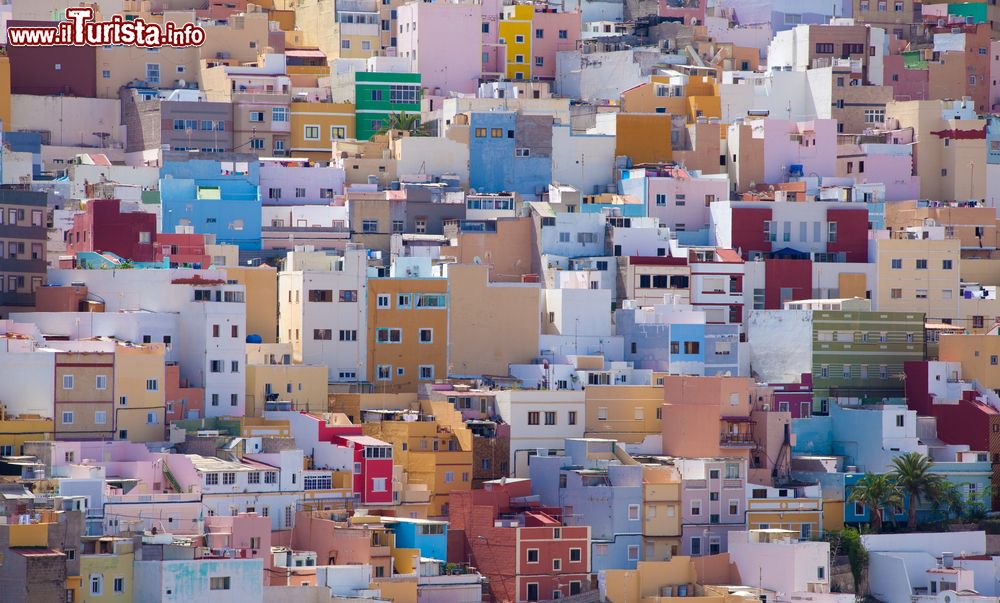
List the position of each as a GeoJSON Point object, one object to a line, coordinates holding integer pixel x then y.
{"type": "Point", "coordinates": [430, 537]}
{"type": "Point", "coordinates": [597, 490]}
{"type": "Point", "coordinates": [510, 152]}
{"type": "Point", "coordinates": [219, 197]}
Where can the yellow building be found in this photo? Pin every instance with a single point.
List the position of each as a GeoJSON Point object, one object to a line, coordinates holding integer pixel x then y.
{"type": "Point", "coordinates": [303, 385]}
{"type": "Point", "coordinates": [477, 307]}
{"type": "Point", "coordinates": [979, 355]}
{"type": "Point", "coordinates": [627, 413]}
{"type": "Point", "coordinates": [316, 126]}
{"type": "Point", "coordinates": [917, 274]}
{"type": "Point", "coordinates": [5, 101]}
{"type": "Point", "coordinates": [15, 431]}
{"type": "Point", "coordinates": [434, 453]}
{"type": "Point", "coordinates": [645, 137]}
{"type": "Point", "coordinates": [651, 581]}
{"type": "Point", "coordinates": [106, 570]}
{"type": "Point", "coordinates": [407, 332]}
{"type": "Point", "coordinates": [515, 32]}
{"type": "Point", "coordinates": [661, 498]}
{"type": "Point", "coordinates": [140, 392]}
{"type": "Point", "coordinates": [770, 511]}
{"type": "Point", "coordinates": [675, 93]}
{"type": "Point", "coordinates": [261, 284]}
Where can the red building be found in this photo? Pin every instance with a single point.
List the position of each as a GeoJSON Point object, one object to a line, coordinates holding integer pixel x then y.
{"type": "Point", "coordinates": [786, 280]}
{"type": "Point", "coordinates": [794, 398]}
{"type": "Point", "coordinates": [52, 70]}
{"type": "Point", "coordinates": [182, 249]}
{"type": "Point", "coordinates": [934, 389]}
{"type": "Point", "coordinates": [372, 458]}
{"type": "Point", "coordinates": [104, 227]}
{"type": "Point", "coordinates": [822, 231]}
{"type": "Point", "coordinates": [522, 548]}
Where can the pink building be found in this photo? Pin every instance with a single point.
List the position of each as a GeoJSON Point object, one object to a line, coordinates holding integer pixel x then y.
{"type": "Point", "coordinates": [552, 25]}
{"type": "Point", "coordinates": [444, 42]}
{"type": "Point", "coordinates": [907, 84]}
{"type": "Point", "coordinates": [689, 13]}
{"type": "Point", "coordinates": [494, 57]}
{"type": "Point", "coordinates": [248, 534]}
{"type": "Point", "coordinates": [808, 147]}
{"type": "Point", "coordinates": [889, 164]}
{"type": "Point", "coordinates": [678, 197]}
{"type": "Point", "coordinates": [994, 99]}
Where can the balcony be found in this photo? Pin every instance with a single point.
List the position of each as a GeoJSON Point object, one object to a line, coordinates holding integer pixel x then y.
{"type": "Point", "coordinates": [736, 440]}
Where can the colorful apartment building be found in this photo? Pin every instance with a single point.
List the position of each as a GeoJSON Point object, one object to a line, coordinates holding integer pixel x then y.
{"type": "Point", "coordinates": [379, 96]}
{"type": "Point", "coordinates": [315, 126]}
{"type": "Point", "coordinates": [525, 552]}
{"type": "Point", "coordinates": [532, 36]}
{"type": "Point", "coordinates": [407, 337]}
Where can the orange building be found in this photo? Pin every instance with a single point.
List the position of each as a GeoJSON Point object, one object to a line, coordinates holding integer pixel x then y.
{"type": "Point", "coordinates": [407, 331]}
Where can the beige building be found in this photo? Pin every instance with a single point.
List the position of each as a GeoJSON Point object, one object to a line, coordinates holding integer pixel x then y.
{"type": "Point", "coordinates": [260, 96]}
{"type": "Point", "coordinates": [974, 227]}
{"type": "Point", "coordinates": [261, 284]}
{"type": "Point", "coordinates": [342, 30]}
{"type": "Point", "coordinates": [916, 274]}
{"type": "Point", "coordinates": [950, 166]}
{"type": "Point", "coordinates": [271, 375]}
{"type": "Point", "coordinates": [240, 40]}
{"type": "Point", "coordinates": [478, 347]}
{"type": "Point", "coordinates": [979, 355]}
{"type": "Point", "coordinates": [661, 500]}
{"type": "Point", "coordinates": [140, 392]}
{"type": "Point", "coordinates": [627, 413]}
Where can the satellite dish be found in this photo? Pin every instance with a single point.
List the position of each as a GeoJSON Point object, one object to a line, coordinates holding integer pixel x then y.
{"type": "Point", "coordinates": [182, 83]}
{"type": "Point", "coordinates": [477, 260]}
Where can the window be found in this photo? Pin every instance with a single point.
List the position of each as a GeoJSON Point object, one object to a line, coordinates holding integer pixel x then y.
{"type": "Point", "coordinates": [633, 512]}
{"type": "Point", "coordinates": [378, 484]}
{"type": "Point", "coordinates": [311, 132]}
{"type": "Point", "coordinates": [572, 417]}
{"type": "Point", "coordinates": [348, 295]}
{"type": "Point", "coordinates": [824, 48]}
{"type": "Point", "coordinates": [67, 417]}
{"type": "Point", "coordinates": [212, 479]}
{"type": "Point", "coordinates": [532, 555]}
{"type": "Point", "coordinates": [219, 583]}
{"type": "Point", "coordinates": [426, 372]}
{"type": "Point", "coordinates": [96, 584]}
{"type": "Point", "coordinates": [695, 507]}
{"type": "Point", "coordinates": [369, 226]}
{"type": "Point", "coordinates": [633, 552]}
{"type": "Point", "coordinates": [563, 34]}
{"type": "Point", "coordinates": [897, 264]}
{"type": "Point", "coordinates": [575, 555]}
{"type": "Point", "coordinates": [67, 381]}
{"type": "Point", "coordinates": [153, 73]}
{"type": "Point", "coordinates": [348, 335]}
{"type": "Point", "coordinates": [388, 335]}
{"type": "Point", "coordinates": [101, 417]}
{"type": "Point", "coordinates": [382, 301]}
{"type": "Point", "coordinates": [602, 413]}
{"type": "Point", "coordinates": [323, 334]}
{"type": "Point", "coordinates": [539, 61]}
{"type": "Point", "coordinates": [921, 264]}
{"type": "Point", "coordinates": [900, 419]}
{"type": "Point", "coordinates": [279, 114]}
{"type": "Point", "coordinates": [921, 294]}
{"type": "Point", "coordinates": [533, 417]}
{"type": "Point", "coordinates": [119, 585]}
{"type": "Point", "coordinates": [896, 293]}
{"type": "Point", "coordinates": [426, 336]}
{"type": "Point", "coordinates": [696, 545]}
{"type": "Point", "coordinates": [732, 471]}
{"type": "Point", "coordinates": [215, 366]}
{"type": "Point", "coordinates": [384, 372]}
{"type": "Point", "coordinates": [404, 94]}
{"type": "Point", "coordinates": [550, 417]}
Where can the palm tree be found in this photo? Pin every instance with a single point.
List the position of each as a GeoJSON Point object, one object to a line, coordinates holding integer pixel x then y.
{"type": "Point", "coordinates": [912, 472]}
{"type": "Point", "coordinates": [877, 492]}
{"type": "Point", "coordinates": [406, 122]}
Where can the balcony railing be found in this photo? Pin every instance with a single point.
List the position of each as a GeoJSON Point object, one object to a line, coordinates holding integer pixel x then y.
{"type": "Point", "coordinates": [736, 439]}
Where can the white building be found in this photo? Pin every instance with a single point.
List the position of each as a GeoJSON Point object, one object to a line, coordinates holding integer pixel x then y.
{"type": "Point", "coordinates": [212, 317]}
{"type": "Point", "coordinates": [539, 420]}
{"type": "Point", "coordinates": [777, 561]}
{"type": "Point", "coordinates": [322, 312]}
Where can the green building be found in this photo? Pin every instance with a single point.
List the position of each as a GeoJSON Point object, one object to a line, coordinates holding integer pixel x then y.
{"type": "Point", "coordinates": [378, 95]}
{"type": "Point", "coordinates": [860, 354]}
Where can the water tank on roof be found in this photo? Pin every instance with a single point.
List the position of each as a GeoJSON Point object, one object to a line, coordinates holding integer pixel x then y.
{"type": "Point", "coordinates": [254, 338]}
